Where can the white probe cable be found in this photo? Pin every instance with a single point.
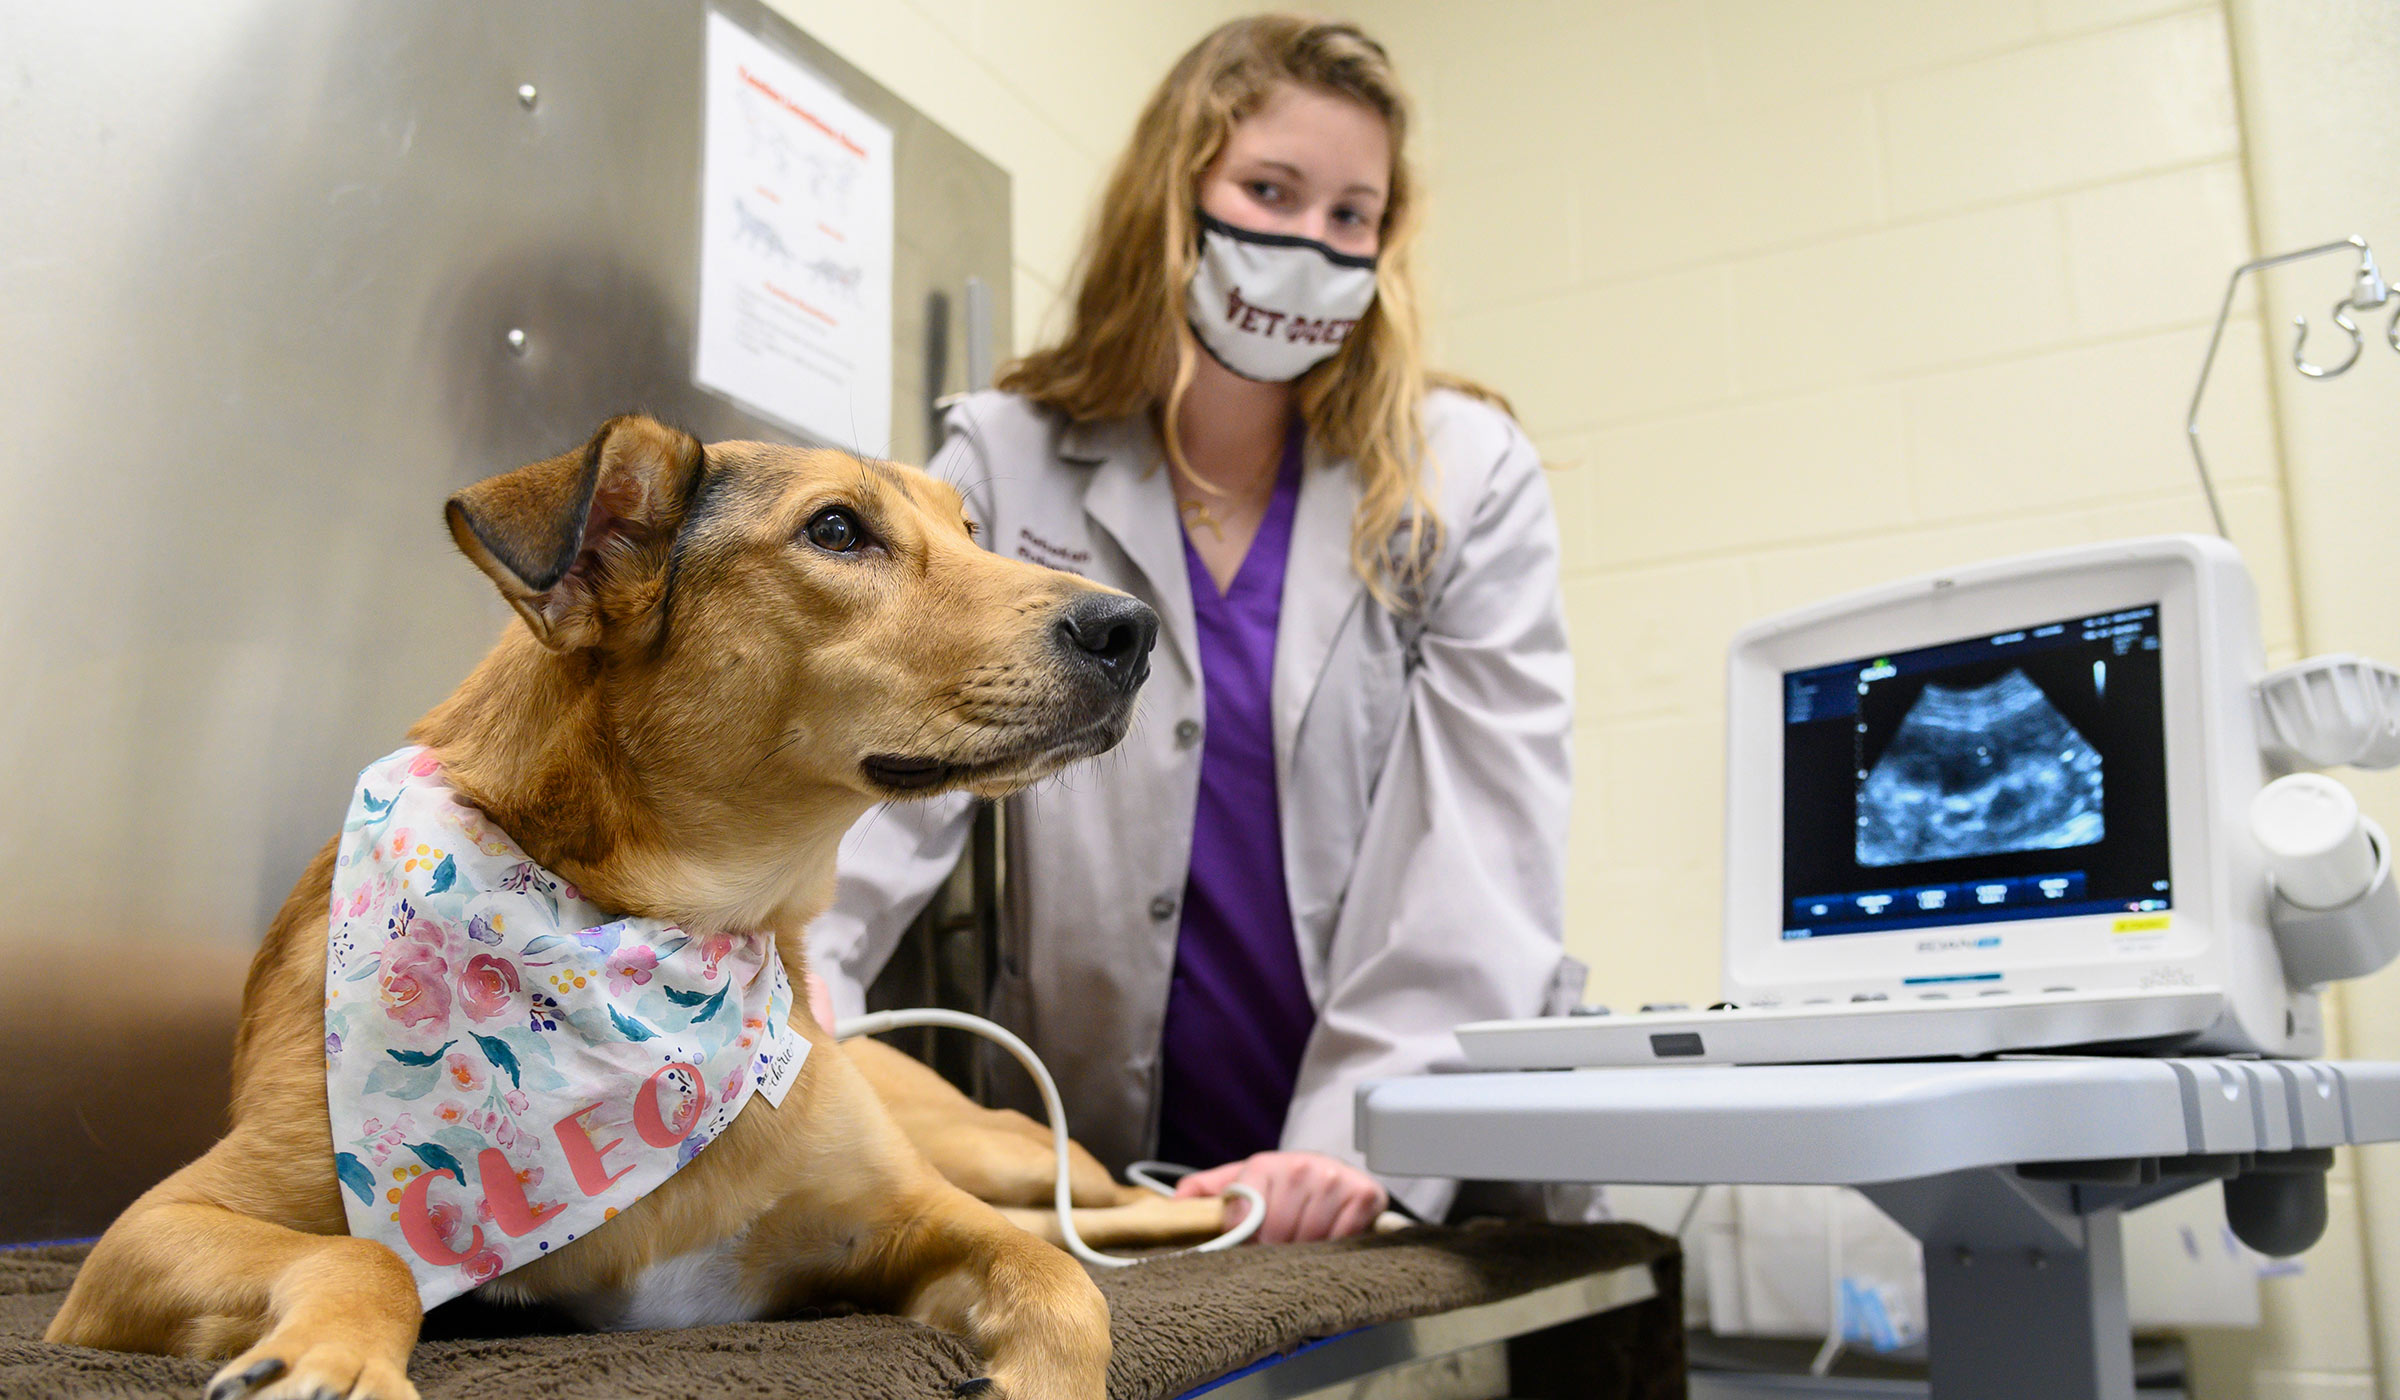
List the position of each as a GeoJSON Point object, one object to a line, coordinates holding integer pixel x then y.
{"type": "Point", "coordinates": [1145, 1173]}
{"type": "Point", "coordinates": [878, 1022]}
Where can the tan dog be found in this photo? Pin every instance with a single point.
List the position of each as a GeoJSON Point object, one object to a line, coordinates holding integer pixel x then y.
{"type": "Point", "coordinates": [725, 657]}
{"type": "Point", "coordinates": [1003, 1158]}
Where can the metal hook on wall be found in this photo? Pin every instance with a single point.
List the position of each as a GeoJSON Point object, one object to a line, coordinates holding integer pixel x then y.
{"type": "Point", "coordinates": [2367, 293]}
{"type": "Point", "coordinates": [2341, 317]}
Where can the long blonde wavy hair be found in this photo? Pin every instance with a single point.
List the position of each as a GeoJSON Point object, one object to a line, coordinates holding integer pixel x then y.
{"type": "Point", "coordinates": [1130, 349]}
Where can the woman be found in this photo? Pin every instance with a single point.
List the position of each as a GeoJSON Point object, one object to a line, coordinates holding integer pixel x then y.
{"type": "Point", "coordinates": [1338, 828]}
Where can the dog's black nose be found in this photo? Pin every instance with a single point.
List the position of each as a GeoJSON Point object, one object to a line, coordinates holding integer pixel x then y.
{"type": "Point", "coordinates": [1113, 632]}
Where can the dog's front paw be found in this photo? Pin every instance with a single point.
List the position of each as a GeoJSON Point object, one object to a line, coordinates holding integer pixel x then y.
{"type": "Point", "coordinates": [326, 1371]}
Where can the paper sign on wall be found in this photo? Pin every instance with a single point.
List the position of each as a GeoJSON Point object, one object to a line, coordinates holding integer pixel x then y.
{"type": "Point", "coordinates": [795, 247]}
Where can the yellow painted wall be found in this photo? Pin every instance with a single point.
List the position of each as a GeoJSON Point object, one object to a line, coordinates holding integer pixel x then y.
{"type": "Point", "coordinates": [2320, 89]}
{"type": "Point", "coordinates": [1806, 296]}
{"type": "Point", "coordinates": [1803, 295]}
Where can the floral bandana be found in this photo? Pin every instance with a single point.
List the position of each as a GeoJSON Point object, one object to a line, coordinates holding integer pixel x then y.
{"type": "Point", "coordinates": [507, 1066]}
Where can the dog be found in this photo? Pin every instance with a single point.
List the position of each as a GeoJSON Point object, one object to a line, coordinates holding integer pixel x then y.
{"type": "Point", "coordinates": [1006, 1160]}
{"type": "Point", "coordinates": [722, 657]}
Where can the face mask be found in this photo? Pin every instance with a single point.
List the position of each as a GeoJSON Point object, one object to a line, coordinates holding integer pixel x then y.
{"type": "Point", "coordinates": [1269, 305]}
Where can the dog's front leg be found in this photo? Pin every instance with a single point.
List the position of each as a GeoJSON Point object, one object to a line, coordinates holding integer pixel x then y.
{"type": "Point", "coordinates": [995, 1155]}
{"type": "Point", "coordinates": [1032, 1312]}
{"type": "Point", "coordinates": [931, 1252]}
{"type": "Point", "coordinates": [865, 1218]}
{"type": "Point", "coordinates": [309, 1315]}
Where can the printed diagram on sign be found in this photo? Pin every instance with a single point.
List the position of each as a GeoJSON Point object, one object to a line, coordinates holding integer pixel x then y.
{"type": "Point", "coordinates": [758, 232]}
{"type": "Point", "coordinates": [827, 179]}
{"type": "Point", "coordinates": [796, 234]}
{"type": "Point", "coordinates": [834, 278]}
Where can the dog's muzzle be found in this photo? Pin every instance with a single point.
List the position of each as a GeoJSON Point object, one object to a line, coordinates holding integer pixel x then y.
{"type": "Point", "coordinates": [1101, 644]}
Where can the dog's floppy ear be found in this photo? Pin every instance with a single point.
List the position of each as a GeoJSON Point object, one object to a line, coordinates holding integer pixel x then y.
{"type": "Point", "coordinates": [580, 541]}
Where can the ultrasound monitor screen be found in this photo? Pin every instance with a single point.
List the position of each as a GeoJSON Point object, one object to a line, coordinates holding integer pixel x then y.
{"type": "Point", "coordinates": [1972, 772]}
{"type": "Point", "coordinates": [2016, 776]}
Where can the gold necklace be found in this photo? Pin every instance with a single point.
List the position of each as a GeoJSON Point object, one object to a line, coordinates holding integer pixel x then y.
{"type": "Point", "coordinates": [1196, 514]}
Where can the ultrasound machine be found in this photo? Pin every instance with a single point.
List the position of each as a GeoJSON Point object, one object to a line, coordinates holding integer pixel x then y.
{"type": "Point", "coordinates": [2030, 890]}
{"type": "Point", "coordinates": [2027, 805]}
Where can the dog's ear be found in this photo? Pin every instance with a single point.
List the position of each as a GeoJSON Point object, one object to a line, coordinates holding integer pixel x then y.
{"type": "Point", "coordinates": [580, 542]}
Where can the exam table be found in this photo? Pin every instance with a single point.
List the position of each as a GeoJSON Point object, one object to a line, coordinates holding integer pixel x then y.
{"type": "Point", "coordinates": [126, 1078]}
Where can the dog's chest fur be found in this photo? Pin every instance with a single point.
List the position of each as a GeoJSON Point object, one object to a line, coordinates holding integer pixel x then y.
{"type": "Point", "coordinates": [689, 1290]}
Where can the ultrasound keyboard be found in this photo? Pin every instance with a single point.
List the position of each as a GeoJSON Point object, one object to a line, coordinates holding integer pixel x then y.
{"type": "Point", "coordinates": [1930, 1025]}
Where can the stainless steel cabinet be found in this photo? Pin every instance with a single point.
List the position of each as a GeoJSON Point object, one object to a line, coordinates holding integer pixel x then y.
{"type": "Point", "coordinates": [260, 265]}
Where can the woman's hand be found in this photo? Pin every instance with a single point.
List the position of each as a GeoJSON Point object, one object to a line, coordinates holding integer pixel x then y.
{"type": "Point", "coordinates": [1309, 1196]}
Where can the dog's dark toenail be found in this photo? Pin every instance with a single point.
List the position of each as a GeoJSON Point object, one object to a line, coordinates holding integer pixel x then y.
{"type": "Point", "coordinates": [974, 1385]}
{"type": "Point", "coordinates": [259, 1374]}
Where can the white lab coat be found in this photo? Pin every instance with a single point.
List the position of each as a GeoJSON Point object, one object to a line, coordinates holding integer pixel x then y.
{"type": "Point", "coordinates": [1421, 770]}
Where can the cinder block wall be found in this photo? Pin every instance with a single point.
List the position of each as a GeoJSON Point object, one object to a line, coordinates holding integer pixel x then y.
{"type": "Point", "coordinates": [1803, 295]}
{"type": "Point", "coordinates": [1798, 295]}
{"type": "Point", "coordinates": [2320, 87]}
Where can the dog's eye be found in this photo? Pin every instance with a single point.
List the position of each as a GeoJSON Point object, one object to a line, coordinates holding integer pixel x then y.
{"type": "Point", "coordinates": [836, 530]}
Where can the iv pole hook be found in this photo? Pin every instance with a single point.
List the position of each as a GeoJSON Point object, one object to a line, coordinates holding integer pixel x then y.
{"type": "Point", "coordinates": [2341, 317]}
{"type": "Point", "coordinates": [2368, 295]}
{"type": "Point", "coordinates": [2366, 271]}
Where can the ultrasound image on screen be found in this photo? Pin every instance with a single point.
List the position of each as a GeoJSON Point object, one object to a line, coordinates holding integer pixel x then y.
{"type": "Point", "coordinates": [1975, 772]}
{"type": "Point", "coordinates": [2016, 775]}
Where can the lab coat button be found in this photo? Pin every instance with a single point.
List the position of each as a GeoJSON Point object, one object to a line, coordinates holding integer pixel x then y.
{"type": "Point", "coordinates": [1187, 733]}
{"type": "Point", "coordinates": [1163, 908]}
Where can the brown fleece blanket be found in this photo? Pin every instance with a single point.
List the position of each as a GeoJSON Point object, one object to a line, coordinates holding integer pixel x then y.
{"type": "Point", "coordinates": [1178, 1323]}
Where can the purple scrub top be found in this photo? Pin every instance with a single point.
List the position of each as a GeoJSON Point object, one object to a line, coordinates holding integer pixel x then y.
{"type": "Point", "coordinates": [1238, 1010]}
